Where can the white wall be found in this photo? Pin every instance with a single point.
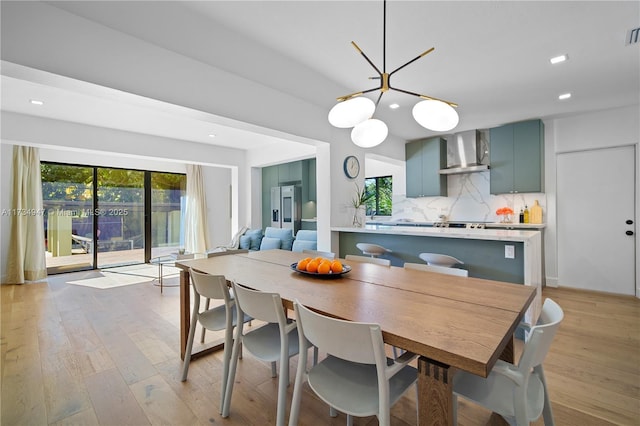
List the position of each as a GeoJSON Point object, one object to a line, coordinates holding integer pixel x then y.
{"type": "Point", "coordinates": [6, 158]}
{"type": "Point", "coordinates": [601, 129]}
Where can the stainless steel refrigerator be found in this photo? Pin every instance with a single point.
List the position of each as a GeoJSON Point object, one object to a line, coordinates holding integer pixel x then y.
{"type": "Point", "coordinates": [286, 207]}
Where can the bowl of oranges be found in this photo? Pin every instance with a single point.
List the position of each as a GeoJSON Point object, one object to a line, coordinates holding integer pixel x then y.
{"type": "Point", "coordinates": [320, 267]}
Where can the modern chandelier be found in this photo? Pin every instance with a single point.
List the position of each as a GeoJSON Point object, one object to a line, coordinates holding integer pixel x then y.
{"type": "Point", "coordinates": [356, 111]}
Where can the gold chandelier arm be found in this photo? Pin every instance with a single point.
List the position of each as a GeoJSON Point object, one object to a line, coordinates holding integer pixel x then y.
{"type": "Point", "coordinates": [356, 94]}
{"type": "Point", "coordinates": [365, 57]}
{"type": "Point", "coordinates": [425, 97]}
{"type": "Point", "coordinates": [425, 53]}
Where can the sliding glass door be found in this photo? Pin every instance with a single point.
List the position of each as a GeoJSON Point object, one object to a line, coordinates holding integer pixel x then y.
{"type": "Point", "coordinates": [167, 209]}
{"type": "Point", "coordinates": [67, 195]}
{"type": "Point", "coordinates": [101, 217]}
{"type": "Point", "coordinates": [120, 215]}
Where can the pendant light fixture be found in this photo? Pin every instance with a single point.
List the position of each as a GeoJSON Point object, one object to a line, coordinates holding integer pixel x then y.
{"type": "Point", "coordinates": [356, 111]}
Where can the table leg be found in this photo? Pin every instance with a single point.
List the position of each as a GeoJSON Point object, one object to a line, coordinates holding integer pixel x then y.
{"type": "Point", "coordinates": [185, 307]}
{"type": "Point", "coordinates": [508, 354]}
{"type": "Point", "coordinates": [435, 393]}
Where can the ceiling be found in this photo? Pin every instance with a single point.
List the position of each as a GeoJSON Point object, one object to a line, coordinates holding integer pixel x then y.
{"type": "Point", "coordinates": [491, 58]}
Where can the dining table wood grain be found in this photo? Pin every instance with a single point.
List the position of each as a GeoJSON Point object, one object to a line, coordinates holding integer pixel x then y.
{"type": "Point", "coordinates": [451, 322]}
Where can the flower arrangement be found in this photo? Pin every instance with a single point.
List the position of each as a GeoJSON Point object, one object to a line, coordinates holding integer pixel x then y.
{"type": "Point", "coordinates": [505, 213]}
{"type": "Point", "coordinates": [358, 201]}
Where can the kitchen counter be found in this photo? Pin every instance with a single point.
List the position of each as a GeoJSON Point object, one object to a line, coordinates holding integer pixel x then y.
{"type": "Point", "coordinates": [483, 251]}
{"type": "Point", "coordinates": [433, 224]}
{"type": "Point", "coordinates": [475, 234]}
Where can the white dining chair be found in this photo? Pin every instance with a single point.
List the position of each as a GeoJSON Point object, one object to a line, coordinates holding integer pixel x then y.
{"type": "Point", "coordinates": [277, 340]}
{"type": "Point", "coordinates": [356, 377]}
{"type": "Point", "coordinates": [317, 253]}
{"type": "Point", "coordinates": [365, 259]}
{"type": "Point", "coordinates": [224, 252]}
{"type": "Point", "coordinates": [517, 392]}
{"type": "Point", "coordinates": [439, 269]}
{"type": "Point", "coordinates": [440, 259]}
{"type": "Point", "coordinates": [222, 317]}
{"type": "Point", "coordinates": [373, 250]}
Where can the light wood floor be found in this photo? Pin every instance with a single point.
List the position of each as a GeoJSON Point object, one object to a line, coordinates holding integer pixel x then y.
{"type": "Point", "coordinates": [76, 355]}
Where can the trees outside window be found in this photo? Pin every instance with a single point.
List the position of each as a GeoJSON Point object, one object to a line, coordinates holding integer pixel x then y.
{"type": "Point", "coordinates": [380, 203]}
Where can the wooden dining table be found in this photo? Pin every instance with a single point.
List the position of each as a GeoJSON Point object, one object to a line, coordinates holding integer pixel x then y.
{"type": "Point", "coordinates": [452, 323]}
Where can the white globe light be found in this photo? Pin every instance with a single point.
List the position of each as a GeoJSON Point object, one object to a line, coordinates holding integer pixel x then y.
{"type": "Point", "coordinates": [349, 113]}
{"type": "Point", "coordinates": [369, 133]}
{"type": "Point", "coordinates": [435, 115]}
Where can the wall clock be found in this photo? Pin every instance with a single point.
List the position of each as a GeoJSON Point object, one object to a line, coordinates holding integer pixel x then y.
{"type": "Point", "coordinates": [351, 167]}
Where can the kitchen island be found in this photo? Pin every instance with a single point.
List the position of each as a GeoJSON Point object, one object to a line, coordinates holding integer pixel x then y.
{"type": "Point", "coordinates": [481, 250]}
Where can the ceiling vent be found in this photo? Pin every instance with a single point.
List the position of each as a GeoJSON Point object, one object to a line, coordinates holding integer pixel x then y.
{"type": "Point", "coordinates": [633, 36]}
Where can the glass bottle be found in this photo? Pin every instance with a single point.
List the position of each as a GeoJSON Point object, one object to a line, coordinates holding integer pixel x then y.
{"type": "Point", "coordinates": [526, 214]}
{"type": "Point", "coordinates": [521, 216]}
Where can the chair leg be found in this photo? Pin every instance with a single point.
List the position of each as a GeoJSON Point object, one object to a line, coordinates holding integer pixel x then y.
{"type": "Point", "coordinates": [547, 412]}
{"type": "Point", "coordinates": [204, 330]}
{"type": "Point", "coordinates": [349, 420]}
{"type": "Point", "coordinates": [187, 354]}
{"type": "Point", "coordinates": [228, 349]}
{"type": "Point", "coordinates": [283, 383]}
{"type": "Point", "coordinates": [301, 372]}
{"type": "Point", "coordinates": [232, 372]}
{"type": "Point", "coordinates": [273, 369]}
{"type": "Point", "coordinates": [333, 412]}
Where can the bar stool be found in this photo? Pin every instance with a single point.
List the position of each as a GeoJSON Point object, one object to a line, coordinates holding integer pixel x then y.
{"type": "Point", "coordinates": [373, 250]}
{"type": "Point", "coordinates": [440, 259]}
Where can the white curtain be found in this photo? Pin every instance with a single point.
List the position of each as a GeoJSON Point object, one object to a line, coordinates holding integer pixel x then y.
{"type": "Point", "coordinates": [196, 230]}
{"type": "Point", "coordinates": [26, 261]}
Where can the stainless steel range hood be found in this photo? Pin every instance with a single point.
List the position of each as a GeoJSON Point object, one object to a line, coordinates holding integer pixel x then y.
{"type": "Point", "coordinates": [467, 152]}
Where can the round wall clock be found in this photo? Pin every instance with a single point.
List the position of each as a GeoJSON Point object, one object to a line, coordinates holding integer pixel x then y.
{"type": "Point", "coordinates": [351, 167]}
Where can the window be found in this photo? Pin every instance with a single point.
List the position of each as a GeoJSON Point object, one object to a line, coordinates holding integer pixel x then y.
{"type": "Point", "coordinates": [379, 203]}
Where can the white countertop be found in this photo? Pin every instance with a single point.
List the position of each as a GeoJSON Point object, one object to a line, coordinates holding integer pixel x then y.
{"type": "Point", "coordinates": [514, 225]}
{"type": "Point", "coordinates": [474, 234]}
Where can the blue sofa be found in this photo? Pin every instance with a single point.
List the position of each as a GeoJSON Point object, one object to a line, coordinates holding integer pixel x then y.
{"type": "Point", "coordinates": [305, 240]}
{"type": "Point", "coordinates": [278, 238]}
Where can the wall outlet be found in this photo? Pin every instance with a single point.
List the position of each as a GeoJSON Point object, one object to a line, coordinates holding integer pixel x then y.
{"type": "Point", "coordinates": [509, 252]}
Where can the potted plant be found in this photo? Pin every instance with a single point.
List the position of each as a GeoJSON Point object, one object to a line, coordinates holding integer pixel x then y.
{"type": "Point", "coordinates": [359, 200]}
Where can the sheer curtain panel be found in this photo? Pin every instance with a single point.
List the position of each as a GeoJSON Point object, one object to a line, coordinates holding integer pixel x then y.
{"type": "Point", "coordinates": [196, 230]}
{"type": "Point", "coordinates": [26, 260]}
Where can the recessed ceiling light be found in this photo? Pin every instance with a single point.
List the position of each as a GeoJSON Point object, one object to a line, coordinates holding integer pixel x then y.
{"type": "Point", "coordinates": [36, 102]}
{"type": "Point", "coordinates": [558, 59]}
{"type": "Point", "coordinates": [211, 135]}
{"type": "Point", "coordinates": [564, 96]}
{"type": "Point", "coordinates": [394, 106]}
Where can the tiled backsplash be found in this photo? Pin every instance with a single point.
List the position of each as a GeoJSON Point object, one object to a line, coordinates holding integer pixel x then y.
{"type": "Point", "coordinates": [469, 200]}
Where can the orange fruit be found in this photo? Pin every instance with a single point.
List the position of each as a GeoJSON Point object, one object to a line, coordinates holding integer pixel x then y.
{"type": "Point", "coordinates": [336, 267]}
{"type": "Point", "coordinates": [324, 268]}
{"type": "Point", "coordinates": [312, 266]}
{"type": "Point", "coordinates": [302, 265]}
{"type": "Point", "coordinates": [319, 260]}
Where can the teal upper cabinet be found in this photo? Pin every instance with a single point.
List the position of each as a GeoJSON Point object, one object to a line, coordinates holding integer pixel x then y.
{"type": "Point", "coordinates": [517, 158]}
{"type": "Point", "coordinates": [290, 173]}
{"type": "Point", "coordinates": [308, 180]}
{"type": "Point", "coordinates": [424, 159]}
